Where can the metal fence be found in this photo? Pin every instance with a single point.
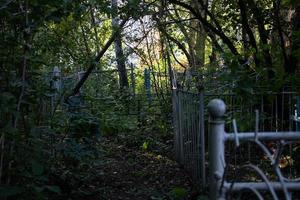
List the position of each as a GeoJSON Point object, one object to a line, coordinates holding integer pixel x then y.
{"type": "Point", "coordinates": [220, 187]}
{"type": "Point", "coordinates": [278, 112]}
{"type": "Point", "coordinates": [144, 86]}
{"type": "Point", "coordinates": [189, 133]}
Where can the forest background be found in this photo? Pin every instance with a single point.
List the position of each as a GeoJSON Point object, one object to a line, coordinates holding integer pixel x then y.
{"type": "Point", "coordinates": [122, 58]}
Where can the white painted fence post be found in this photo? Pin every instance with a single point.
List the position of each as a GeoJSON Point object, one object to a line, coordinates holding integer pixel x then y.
{"type": "Point", "coordinates": [216, 108]}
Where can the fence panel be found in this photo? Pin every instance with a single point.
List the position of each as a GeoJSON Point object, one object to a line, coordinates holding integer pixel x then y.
{"type": "Point", "coordinates": [220, 188]}
{"type": "Point", "coordinates": [276, 111]}
{"type": "Point", "coordinates": [189, 134]}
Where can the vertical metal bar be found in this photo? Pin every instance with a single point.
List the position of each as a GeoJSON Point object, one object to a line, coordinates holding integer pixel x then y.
{"type": "Point", "coordinates": [272, 115]}
{"type": "Point", "coordinates": [175, 122]}
{"type": "Point", "coordinates": [184, 127]}
{"type": "Point", "coordinates": [262, 113]}
{"type": "Point", "coordinates": [282, 111]}
{"type": "Point", "coordinates": [276, 114]}
{"type": "Point", "coordinates": [198, 141]}
{"type": "Point", "coordinates": [187, 144]}
{"type": "Point", "coordinates": [194, 137]}
{"type": "Point", "coordinates": [216, 110]}
{"type": "Point", "coordinates": [202, 139]}
{"type": "Point", "coordinates": [290, 129]}
{"type": "Point", "coordinates": [298, 113]}
{"type": "Point", "coordinates": [249, 145]}
{"type": "Point", "coordinates": [190, 125]}
{"type": "Point", "coordinates": [241, 117]}
{"type": "Point", "coordinates": [190, 139]}
{"type": "Point", "coordinates": [196, 155]}
{"type": "Point", "coordinates": [180, 124]}
{"type": "Point", "coordinates": [185, 131]}
{"type": "Point", "coordinates": [290, 112]}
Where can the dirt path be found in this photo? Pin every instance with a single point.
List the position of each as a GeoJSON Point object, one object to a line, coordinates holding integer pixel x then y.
{"type": "Point", "coordinates": [137, 174]}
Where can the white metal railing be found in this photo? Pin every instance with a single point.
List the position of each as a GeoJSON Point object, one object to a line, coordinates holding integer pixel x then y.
{"type": "Point", "coordinates": [219, 188]}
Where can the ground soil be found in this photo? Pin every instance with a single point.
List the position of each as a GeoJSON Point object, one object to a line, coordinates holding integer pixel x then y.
{"type": "Point", "coordinates": [138, 174]}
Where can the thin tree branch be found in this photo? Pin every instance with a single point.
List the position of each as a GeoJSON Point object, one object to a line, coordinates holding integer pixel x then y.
{"type": "Point", "coordinates": [97, 59]}
{"type": "Point", "coordinates": [204, 21]}
{"type": "Point", "coordinates": [280, 34]}
{"type": "Point", "coordinates": [262, 33]}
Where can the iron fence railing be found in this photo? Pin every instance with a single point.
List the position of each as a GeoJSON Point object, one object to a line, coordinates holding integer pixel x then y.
{"type": "Point", "coordinates": [278, 112]}
{"type": "Point", "coordinates": [220, 187]}
{"type": "Point", "coordinates": [189, 133]}
{"type": "Point", "coordinates": [99, 87]}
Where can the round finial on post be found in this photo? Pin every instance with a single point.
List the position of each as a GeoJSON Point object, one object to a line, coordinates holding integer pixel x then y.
{"type": "Point", "coordinates": [216, 108]}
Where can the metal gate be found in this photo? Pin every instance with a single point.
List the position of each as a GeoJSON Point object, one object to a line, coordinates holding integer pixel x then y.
{"type": "Point", "coordinates": [188, 112]}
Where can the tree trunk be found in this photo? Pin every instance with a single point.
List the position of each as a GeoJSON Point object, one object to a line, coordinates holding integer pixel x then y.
{"type": "Point", "coordinates": [198, 37]}
{"type": "Point", "coordinates": [123, 80]}
{"type": "Point", "coordinates": [263, 35]}
{"type": "Point", "coordinates": [295, 43]}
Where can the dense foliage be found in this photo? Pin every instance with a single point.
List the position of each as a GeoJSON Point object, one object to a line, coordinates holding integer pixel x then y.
{"type": "Point", "coordinates": [51, 124]}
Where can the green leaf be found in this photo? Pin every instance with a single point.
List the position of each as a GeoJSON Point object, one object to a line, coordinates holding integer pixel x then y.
{"type": "Point", "coordinates": [38, 189]}
{"type": "Point", "coordinates": [145, 145]}
{"type": "Point", "coordinates": [8, 191]}
{"type": "Point", "coordinates": [37, 168]}
{"type": "Point", "coordinates": [53, 188]}
{"type": "Point", "coordinates": [178, 192]}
